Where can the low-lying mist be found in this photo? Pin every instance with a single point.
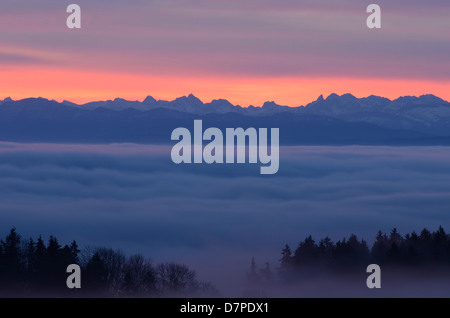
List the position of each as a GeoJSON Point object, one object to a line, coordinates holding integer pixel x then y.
{"type": "Point", "coordinates": [215, 218]}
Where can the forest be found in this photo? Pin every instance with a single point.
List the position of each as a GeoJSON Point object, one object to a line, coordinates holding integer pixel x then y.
{"type": "Point", "coordinates": [34, 268]}
{"type": "Point", "coordinates": [412, 250]}
{"type": "Point", "coordinates": [415, 259]}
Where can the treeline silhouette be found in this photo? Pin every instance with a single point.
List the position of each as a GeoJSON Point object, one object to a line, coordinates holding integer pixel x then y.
{"type": "Point", "coordinates": [427, 249]}
{"type": "Point", "coordinates": [412, 265]}
{"type": "Point", "coordinates": [30, 268]}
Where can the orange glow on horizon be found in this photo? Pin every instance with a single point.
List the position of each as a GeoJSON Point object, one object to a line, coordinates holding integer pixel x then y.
{"type": "Point", "coordinates": [81, 87]}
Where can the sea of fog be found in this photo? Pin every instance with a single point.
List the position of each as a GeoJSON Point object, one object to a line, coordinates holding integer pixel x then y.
{"type": "Point", "coordinates": [215, 218]}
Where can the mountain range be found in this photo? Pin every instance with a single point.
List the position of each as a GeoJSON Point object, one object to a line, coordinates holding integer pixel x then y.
{"type": "Point", "coordinates": [335, 120]}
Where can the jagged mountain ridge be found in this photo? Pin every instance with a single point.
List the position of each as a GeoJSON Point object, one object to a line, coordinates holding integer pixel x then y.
{"type": "Point", "coordinates": [427, 113]}
{"type": "Point", "coordinates": [335, 120]}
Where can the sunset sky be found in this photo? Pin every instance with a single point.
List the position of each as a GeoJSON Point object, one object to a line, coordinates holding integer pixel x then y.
{"type": "Point", "coordinates": [288, 51]}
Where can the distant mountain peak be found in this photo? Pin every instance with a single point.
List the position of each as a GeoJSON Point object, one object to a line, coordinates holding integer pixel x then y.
{"type": "Point", "coordinates": [221, 101]}
{"type": "Point", "coordinates": [193, 99]}
{"type": "Point", "coordinates": [38, 99]}
{"type": "Point", "coordinates": [68, 103]}
{"type": "Point", "coordinates": [320, 98]}
{"type": "Point", "coordinates": [190, 101]}
{"type": "Point", "coordinates": [332, 96]}
{"type": "Point", "coordinates": [349, 96]}
{"type": "Point", "coordinates": [149, 100]}
{"type": "Point", "coordinates": [407, 98]}
{"type": "Point", "coordinates": [427, 99]}
{"type": "Point", "coordinates": [190, 98]}
{"type": "Point", "coordinates": [7, 99]}
{"type": "Point", "coordinates": [431, 98]}
{"type": "Point", "coordinates": [270, 104]}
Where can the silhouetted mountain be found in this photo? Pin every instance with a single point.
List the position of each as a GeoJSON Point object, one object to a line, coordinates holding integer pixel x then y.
{"type": "Point", "coordinates": [188, 104]}
{"type": "Point", "coordinates": [337, 119]}
{"type": "Point", "coordinates": [7, 99]}
{"type": "Point", "coordinates": [427, 113]}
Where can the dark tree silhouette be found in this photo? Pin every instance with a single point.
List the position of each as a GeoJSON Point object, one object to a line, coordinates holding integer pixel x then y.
{"type": "Point", "coordinates": [95, 273]}
{"type": "Point", "coordinates": [380, 248]}
{"type": "Point", "coordinates": [140, 277]}
{"type": "Point", "coordinates": [351, 253]}
{"type": "Point", "coordinates": [306, 253]}
{"type": "Point", "coordinates": [429, 249]}
{"type": "Point", "coordinates": [175, 279]}
{"type": "Point", "coordinates": [253, 274]}
{"type": "Point", "coordinates": [326, 249]}
{"type": "Point", "coordinates": [29, 268]}
{"type": "Point", "coordinates": [11, 259]}
{"type": "Point", "coordinates": [286, 263]}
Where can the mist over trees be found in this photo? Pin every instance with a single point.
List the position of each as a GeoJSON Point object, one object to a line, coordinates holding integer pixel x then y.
{"type": "Point", "coordinates": [37, 268]}
{"type": "Point", "coordinates": [30, 268]}
{"type": "Point", "coordinates": [423, 249]}
{"type": "Point", "coordinates": [425, 252]}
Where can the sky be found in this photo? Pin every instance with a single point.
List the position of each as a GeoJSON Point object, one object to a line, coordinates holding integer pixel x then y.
{"type": "Point", "coordinates": [248, 51]}
{"type": "Point", "coordinates": [216, 218]}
